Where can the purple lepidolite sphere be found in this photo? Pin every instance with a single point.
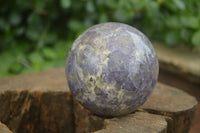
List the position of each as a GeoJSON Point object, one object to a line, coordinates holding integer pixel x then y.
{"type": "Point", "coordinates": [112, 69]}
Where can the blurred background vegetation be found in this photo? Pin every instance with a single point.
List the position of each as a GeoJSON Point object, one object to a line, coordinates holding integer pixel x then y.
{"type": "Point", "coordinates": [36, 34]}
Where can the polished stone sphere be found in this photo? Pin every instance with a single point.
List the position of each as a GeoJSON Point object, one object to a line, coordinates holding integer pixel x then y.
{"type": "Point", "coordinates": [111, 69]}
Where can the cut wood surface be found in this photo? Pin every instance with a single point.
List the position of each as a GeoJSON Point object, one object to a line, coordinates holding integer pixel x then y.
{"type": "Point", "coordinates": [169, 101]}
{"type": "Point", "coordinates": [42, 103]}
{"type": "Point", "coordinates": [4, 128]}
{"type": "Point", "coordinates": [85, 121]}
{"type": "Point", "coordinates": [138, 122]}
{"type": "Point", "coordinates": [36, 103]}
{"type": "Point", "coordinates": [179, 60]}
{"type": "Point", "coordinates": [53, 80]}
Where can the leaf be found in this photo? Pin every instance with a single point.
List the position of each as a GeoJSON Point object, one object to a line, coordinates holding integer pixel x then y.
{"type": "Point", "coordinates": [196, 38]}
{"type": "Point", "coordinates": [180, 4]}
{"type": "Point", "coordinates": [65, 3]}
{"type": "Point", "coordinates": [16, 67]}
{"type": "Point", "coordinates": [4, 25]}
{"type": "Point", "coordinates": [32, 34]}
{"type": "Point", "coordinates": [112, 4]}
{"type": "Point", "coordinates": [90, 6]}
{"type": "Point", "coordinates": [123, 15]}
{"type": "Point", "coordinates": [15, 19]}
{"type": "Point", "coordinates": [36, 60]}
{"type": "Point", "coordinates": [20, 31]}
{"type": "Point", "coordinates": [152, 9]}
{"type": "Point", "coordinates": [7, 60]}
{"type": "Point", "coordinates": [49, 53]}
{"type": "Point", "coordinates": [186, 34]}
{"type": "Point", "coordinates": [28, 70]}
{"type": "Point", "coordinates": [103, 18]}
{"type": "Point", "coordinates": [48, 64]}
{"type": "Point", "coordinates": [40, 4]}
{"type": "Point", "coordinates": [190, 21]}
{"type": "Point", "coordinates": [173, 22]}
{"type": "Point", "coordinates": [172, 38]}
{"type": "Point", "coordinates": [74, 24]}
{"type": "Point", "coordinates": [50, 37]}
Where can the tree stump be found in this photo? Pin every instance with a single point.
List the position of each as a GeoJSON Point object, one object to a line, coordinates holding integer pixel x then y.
{"type": "Point", "coordinates": [4, 128]}
{"type": "Point", "coordinates": [138, 122]}
{"type": "Point", "coordinates": [42, 103]}
{"type": "Point", "coordinates": [174, 103]}
{"type": "Point", "coordinates": [37, 103]}
{"type": "Point", "coordinates": [85, 121]}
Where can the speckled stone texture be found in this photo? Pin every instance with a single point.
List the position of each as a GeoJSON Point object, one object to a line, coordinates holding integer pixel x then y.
{"type": "Point", "coordinates": [112, 69]}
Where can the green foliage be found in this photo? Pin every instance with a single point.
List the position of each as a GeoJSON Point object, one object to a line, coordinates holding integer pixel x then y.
{"type": "Point", "coordinates": [35, 35]}
{"type": "Point", "coordinates": [196, 38]}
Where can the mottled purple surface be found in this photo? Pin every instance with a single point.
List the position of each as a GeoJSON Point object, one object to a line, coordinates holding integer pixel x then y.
{"type": "Point", "coordinates": [112, 69]}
